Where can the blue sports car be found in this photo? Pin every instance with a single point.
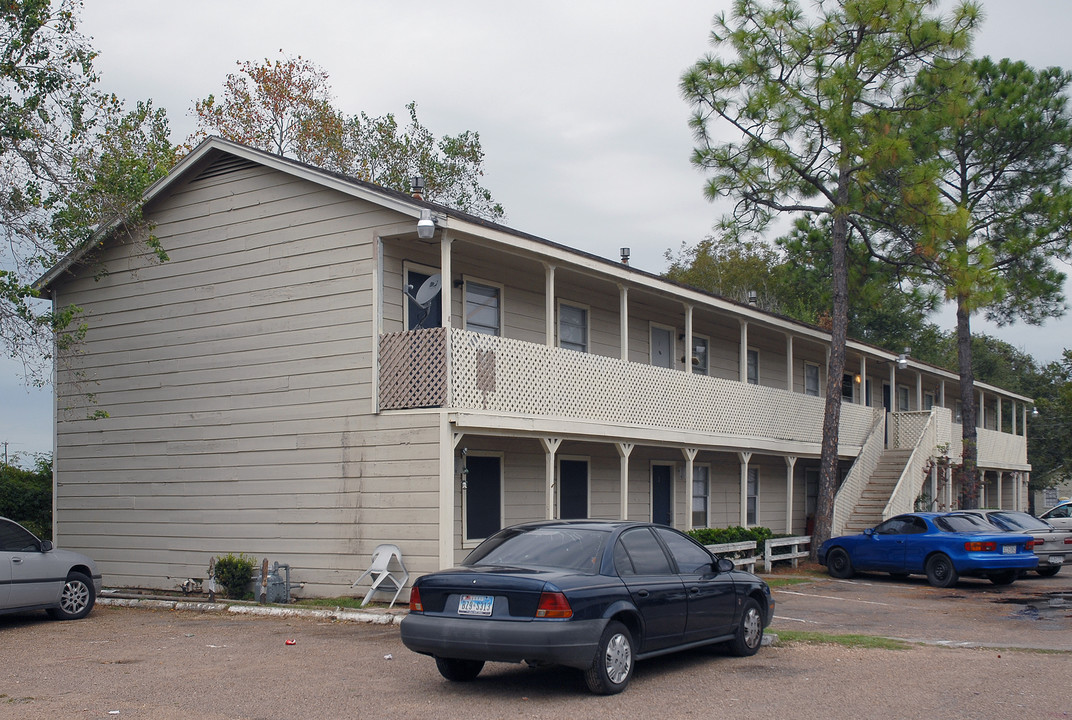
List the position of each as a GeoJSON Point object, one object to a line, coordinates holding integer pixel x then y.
{"type": "Point", "coordinates": [941, 546]}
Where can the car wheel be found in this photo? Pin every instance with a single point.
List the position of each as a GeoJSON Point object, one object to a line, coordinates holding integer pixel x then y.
{"type": "Point", "coordinates": [612, 667]}
{"type": "Point", "coordinates": [1048, 571]}
{"type": "Point", "coordinates": [940, 571]}
{"type": "Point", "coordinates": [457, 670]}
{"type": "Point", "coordinates": [1003, 578]}
{"type": "Point", "coordinates": [76, 600]}
{"type": "Point", "coordinates": [839, 564]}
{"type": "Point", "coordinates": [749, 634]}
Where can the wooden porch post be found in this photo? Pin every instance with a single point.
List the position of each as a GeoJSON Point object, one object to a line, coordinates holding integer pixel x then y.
{"type": "Point", "coordinates": [690, 457]}
{"type": "Point", "coordinates": [744, 457]}
{"type": "Point", "coordinates": [550, 447]}
{"type": "Point", "coordinates": [549, 304]}
{"type": "Point", "coordinates": [790, 463]}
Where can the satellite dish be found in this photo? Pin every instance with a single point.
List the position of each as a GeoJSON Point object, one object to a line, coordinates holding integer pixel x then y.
{"type": "Point", "coordinates": [428, 290]}
{"type": "Point", "coordinates": [426, 293]}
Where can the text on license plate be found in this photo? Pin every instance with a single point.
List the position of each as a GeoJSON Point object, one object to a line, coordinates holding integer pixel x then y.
{"type": "Point", "coordinates": [1057, 559]}
{"type": "Point", "coordinates": [476, 605]}
{"type": "Point", "coordinates": [1008, 549]}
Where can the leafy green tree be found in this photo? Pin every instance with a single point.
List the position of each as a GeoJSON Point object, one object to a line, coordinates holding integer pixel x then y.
{"type": "Point", "coordinates": [1001, 208]}
{"type": "Point", "coordinates": [808, 99]}
{"type": "Point", "coordinates": [286, 107]}
{"type": "Point", "coordinates": [1049, 434]}
{"type": "Point", "coordinates": [26, 496]}
{"type": "Point", "coordinates": [71, 159]}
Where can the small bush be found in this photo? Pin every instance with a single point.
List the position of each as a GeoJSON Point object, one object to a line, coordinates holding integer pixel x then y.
{"type": "Point", "coordinates": [233, 575]}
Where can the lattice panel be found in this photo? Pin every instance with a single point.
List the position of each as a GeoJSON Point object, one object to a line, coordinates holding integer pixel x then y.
{"type": "Point", "coordinates": [510, 376]}
{"type": "Point", "coordinates": [413, 369]}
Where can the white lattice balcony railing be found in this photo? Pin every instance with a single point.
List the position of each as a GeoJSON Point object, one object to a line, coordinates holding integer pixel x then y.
{"type": "Point", "coordinates": [502, 375]}
{"type": "Point", "coordinates": [995, 449]}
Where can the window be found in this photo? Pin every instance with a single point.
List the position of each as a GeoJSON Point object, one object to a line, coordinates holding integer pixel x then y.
{"type": "Point", "coordinates": [848, 385]}
{"type": "Point", "coordinates": [483, 308]}
{"type": "Point", "coordinates": [753, 496]}
{"type": "Point", "coordinates": [700, 355]}
{"type": "Point", "coordinates": [637, 552]}
{"type": "Point", "coordinates": [691, 559]}
{"type": "Point", "coordinates": [958, 412]}
{"type": "Point", "coordinates": [572, 489]}
{"type": "Point", "coordinates": [811, 491]}
{"type": "Point", "coordinates": [867, 393]}
{"type": "Point", "coordinates": [902, 398]}
{"type": "Point", "coordinates": [753, 367]}
{"type": "Point", "coordinates": [573, 327]}
{"type": "Point", "coordinates": [662, 347]}
{"type": "Point", "coordinates": [701, 493]}
{"type": "Point", "coordinates": [482, 491]}
{"type": "Point", "coordinates": [13, 538]}
{"type": "Point", "coordinates": [928, 400]}
{"type": "Point", "coordinates": [811, 379]}
{"type": "Point", "coordinates": [424, 301]}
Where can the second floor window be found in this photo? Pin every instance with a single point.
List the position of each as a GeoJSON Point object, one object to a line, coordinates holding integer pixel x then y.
{"type": "Point", "coordinates": [753, 367]}
{"type": "Point", "coordinates": [573, 327]}
{"type": "Point", "coordinates": [483, 308]}
{"type": "Point", "coordinates": [902, 398]}
{"type": "Point", "coordinates": [811, 379]}
{"type": "Point", "coordinates": [700, 355]}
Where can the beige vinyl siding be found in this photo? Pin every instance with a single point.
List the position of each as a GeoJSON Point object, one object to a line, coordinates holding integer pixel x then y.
{"type": "Point", "coordinates": [237, 382]}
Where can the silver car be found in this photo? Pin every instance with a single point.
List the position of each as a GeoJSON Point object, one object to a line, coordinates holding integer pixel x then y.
{"type": "Point", "coordinates": [1052, 545]}
{"type": "Point", "coordinates": [34, 575]}
{"type": "Point", "coordinates": [1060, 515]}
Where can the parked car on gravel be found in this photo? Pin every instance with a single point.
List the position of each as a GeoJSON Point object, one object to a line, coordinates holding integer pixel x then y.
{"type": "Point", "coordinates": [34, 575]}
{"type": "Point", "coordinates": [589, 594]}
{"type": "Point", "coordinates": [941, 546]}
{"type": "Point", "coordinates": [1060, 515]}
{"type": "Point", "coordinates": [1051, 545]}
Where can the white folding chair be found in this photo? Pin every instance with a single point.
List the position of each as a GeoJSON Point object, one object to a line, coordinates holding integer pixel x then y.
{"type": "Point", "coordinates": [382, 574]}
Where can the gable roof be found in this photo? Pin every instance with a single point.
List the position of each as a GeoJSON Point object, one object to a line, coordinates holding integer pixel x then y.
{"type": "Point", "coordinates": [214, 148]}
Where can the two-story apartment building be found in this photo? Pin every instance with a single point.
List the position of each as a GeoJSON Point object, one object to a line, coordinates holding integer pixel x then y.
{"type": "Point", "coordinates": [324, 365]}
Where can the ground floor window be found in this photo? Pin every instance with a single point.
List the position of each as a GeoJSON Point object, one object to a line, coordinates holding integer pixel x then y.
{"type": "Point", "coordinates": [753, 496]}
{"type": "Point", "coordinates": [701, 493]}
{"type": "Point", "coordinates": [482, 496]}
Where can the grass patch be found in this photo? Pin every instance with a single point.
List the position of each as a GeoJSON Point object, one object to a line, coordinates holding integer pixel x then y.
{"type": "Point", "coordinates": [776, 582]}
{"type": "Point", "coordinates": [349, 603]}
{"type": "Point", "coordinates": [871, 642]}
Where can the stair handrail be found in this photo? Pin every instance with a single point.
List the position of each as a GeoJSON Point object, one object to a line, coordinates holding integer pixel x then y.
{"type": "Point", "coordinates": [909, 484]}
{"type": "Point", "coordinates": [852, 489]}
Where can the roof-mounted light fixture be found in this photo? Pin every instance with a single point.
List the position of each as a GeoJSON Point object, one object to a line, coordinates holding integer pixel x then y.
{"type": "Point", "coordinates": [426, 226]}
{"type": "Point", "coordinates": [624, 252]}
{"type": "Point", "coordinates": [417, 187]}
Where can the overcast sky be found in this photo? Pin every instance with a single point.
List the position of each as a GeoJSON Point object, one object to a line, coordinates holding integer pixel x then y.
{"type": "Point", "coordinates": [576, 102]}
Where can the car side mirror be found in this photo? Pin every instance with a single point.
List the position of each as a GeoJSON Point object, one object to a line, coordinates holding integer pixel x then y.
{"type": "Point", "coordinates": [46, 545]}
{"type": "Point", "coordinates": [869, 532]}
{"type": "Point", "coordinates": [724, 565]}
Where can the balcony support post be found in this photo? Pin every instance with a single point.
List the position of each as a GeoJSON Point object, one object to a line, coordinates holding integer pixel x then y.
{"type": "Point", "coordinates": [624, 451]}
{"type": "Point", "coordinates": [688, 349]}
{"type": "Point", "coordinates": [742, 360]}
{"type": "Point", "coordinates": [690, 459]}
{"type": "Point", "coordinates": [549, 304]}
{"type": "Point", "coordinates": [790, 463]}
{"type": "Point", "coordinates": [744, 458]}
{"type": "Point", "coordinates": [789, 361]}
{"type": "Point", "coordinates": [550, 447]}
{"type": "Point", "coordinates": [623, 313]}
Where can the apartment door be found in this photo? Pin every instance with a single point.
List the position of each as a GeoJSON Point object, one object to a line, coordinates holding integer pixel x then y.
{"type": "Point", "coordinates": [662, 486]}
{"type": "Point", "coordinates": [573, 489]}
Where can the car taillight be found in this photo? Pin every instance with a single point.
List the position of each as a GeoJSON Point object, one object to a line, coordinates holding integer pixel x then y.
{"type": "Point", "coordinates": [980, 546]}
{"type": "Point", "coordinates": [1068, 541]}
{"type": "Point", "coordinates": [1030, 544]}
{"type": "Point", "coordinates": [415, 604]}
{"type": "Point", "coordinates": [553, 605]}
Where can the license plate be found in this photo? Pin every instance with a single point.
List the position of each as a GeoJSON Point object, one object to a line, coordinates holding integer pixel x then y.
{"type": "Point", "coordinates": [1057, 559]}
{"type": "Point", "coordinates": [1008, 549]}
{"type": "Point", "coordinates": [476, 605]}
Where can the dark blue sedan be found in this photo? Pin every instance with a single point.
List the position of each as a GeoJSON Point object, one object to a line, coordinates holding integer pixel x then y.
{"type": "Point", "coordinates": [941, 546]}
{"type": "Point", "coordinates": [589, 594]}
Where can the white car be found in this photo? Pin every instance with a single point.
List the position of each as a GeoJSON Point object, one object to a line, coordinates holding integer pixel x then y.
{"type": "Point", "coordinates": [1060, 515]}
{"type": "Point", "coordinates": [34, 575]}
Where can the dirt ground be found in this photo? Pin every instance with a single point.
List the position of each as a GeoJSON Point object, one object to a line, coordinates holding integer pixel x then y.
{"type": "Point", "coordinates": [164, 664]}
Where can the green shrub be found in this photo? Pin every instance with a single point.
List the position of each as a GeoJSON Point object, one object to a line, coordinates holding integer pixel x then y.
{"type": "Point", "coordinates": [233, 575]}
{"type": "Point", "coordinates": [718, 536]}
{"type": "Point", "coordinates": [26, 496]}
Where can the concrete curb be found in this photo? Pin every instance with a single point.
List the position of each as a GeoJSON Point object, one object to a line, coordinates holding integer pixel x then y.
{"type": "Point", "coordinates": [361, 616]}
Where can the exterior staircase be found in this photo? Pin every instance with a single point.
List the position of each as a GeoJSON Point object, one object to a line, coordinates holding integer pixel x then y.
{"type": "Point", "coordinates": [868, 511]}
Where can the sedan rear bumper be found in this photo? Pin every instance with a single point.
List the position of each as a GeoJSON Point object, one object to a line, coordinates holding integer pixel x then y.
{"type": "Point", "coordinates": [571, 643]}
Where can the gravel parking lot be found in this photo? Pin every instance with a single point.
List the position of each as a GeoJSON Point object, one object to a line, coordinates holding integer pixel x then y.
{"type": "Point", "coordinates": [163, 664]}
